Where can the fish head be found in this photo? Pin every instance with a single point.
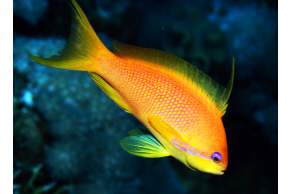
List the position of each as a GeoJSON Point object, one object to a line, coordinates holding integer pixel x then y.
{"type": "Point", "coordinates": [207, 156]}
{"type": "Point", "coordinates": [213, 165]}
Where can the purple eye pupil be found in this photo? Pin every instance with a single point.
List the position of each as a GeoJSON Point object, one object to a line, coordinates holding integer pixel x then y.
{"type": "Point", "coordinates": [216, 157]}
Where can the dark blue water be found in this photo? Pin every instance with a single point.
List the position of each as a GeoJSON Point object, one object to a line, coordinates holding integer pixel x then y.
{"type": "Point", "coordinates": [66, 124]}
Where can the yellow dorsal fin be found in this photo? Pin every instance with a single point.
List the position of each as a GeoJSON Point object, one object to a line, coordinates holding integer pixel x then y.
{"type": "Point", "coordinates": [165, 130]}
{"type": "Point", "coordinates": [217, 94]}
{"type": "Point", "coordinates": [110, 91]}
{"type": "Point", "coordinates": [82, 48]}
{"type": "Point", "coordinates": [222, 103]}
{"type": "Point", "coordinates": [144, 145]}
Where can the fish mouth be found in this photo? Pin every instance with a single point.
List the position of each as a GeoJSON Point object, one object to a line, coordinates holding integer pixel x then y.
{"type": "Point", "coordinates": [195, 169]}
{"type": "Point", "coordinates": [219, 172]}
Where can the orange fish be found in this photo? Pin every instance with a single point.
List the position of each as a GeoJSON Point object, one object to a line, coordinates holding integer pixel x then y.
{"type": "Point", "coordinates": [180, 105]}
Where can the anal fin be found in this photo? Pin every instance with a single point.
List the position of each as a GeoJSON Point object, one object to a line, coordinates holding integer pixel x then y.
{"type": "Point", "coordinates": [110, 91]}
{"type": "Point", "coordinates": [144, 145]}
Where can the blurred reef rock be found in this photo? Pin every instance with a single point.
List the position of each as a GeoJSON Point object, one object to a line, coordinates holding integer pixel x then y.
{"type": "Point", "coordinates": [82, 125]}
{"type": "Point", "coordinates": [30, 10]}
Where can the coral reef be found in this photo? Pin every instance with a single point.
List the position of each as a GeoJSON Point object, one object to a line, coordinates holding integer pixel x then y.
{"type": "Point", "coordinates": [63, 121]}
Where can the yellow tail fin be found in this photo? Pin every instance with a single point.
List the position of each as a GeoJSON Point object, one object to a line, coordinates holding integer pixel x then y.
{"type": "Point", "coordinates": [83, 47]}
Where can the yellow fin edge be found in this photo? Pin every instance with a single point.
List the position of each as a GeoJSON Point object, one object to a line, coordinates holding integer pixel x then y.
{"type": "Point", "coordinates": [83, 46]}
{"type": "Point", "coordinates": [144, 145]}
{"type": "Point", "coordinates": [110, 91]}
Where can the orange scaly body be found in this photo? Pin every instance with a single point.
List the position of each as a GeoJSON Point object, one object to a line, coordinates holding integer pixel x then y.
{"type": "Point", "coordinates": [151, 90]}
{"type": "Point", "coordinates": [180, 105]}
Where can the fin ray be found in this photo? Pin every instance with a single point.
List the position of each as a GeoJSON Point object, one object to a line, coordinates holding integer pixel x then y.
{"type": "Point", "coordinates": [110, 91]}
{"type": "Point", "coordinates": [82, 46]}
{"type": "Point", "coordinates": [136, 132]}
{"type": "Point", "coordinates": [144, 145]}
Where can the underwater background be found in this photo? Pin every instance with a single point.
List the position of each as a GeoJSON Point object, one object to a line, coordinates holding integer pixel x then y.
{"type": "Point", "coordinates": [66, 131]}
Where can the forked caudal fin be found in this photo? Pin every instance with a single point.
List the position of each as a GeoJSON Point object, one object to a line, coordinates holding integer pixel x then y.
{"type": "Point", "coordinates": [83, 46]}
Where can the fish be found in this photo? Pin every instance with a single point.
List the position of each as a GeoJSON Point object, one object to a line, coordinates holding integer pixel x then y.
{"type": "Point", "coordinates": [181, 106]}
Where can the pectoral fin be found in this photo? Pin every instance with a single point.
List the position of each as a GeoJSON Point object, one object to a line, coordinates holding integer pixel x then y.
{"type": "Point", "coordinates": [144, 145]}
{"type": "Point", "coordinates": [163, 128]}
{"type": "Point", "coordinates": [137, 132]}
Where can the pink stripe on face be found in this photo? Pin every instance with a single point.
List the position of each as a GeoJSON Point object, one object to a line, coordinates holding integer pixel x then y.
{"type": "Point", "coordinates": [175, 141]}
{"type": "Point", "coordinates": [188, 148]}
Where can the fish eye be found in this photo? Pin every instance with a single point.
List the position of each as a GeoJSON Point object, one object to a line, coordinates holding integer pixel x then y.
{"type": "Point", "coordinates": [216, 157]}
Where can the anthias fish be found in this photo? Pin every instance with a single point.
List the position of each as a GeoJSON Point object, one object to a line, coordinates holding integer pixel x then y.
{"type": "Point", "coordinates": [180, 105]}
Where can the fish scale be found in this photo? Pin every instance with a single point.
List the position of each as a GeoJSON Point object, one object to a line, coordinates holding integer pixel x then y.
{"type": "Point", "coordinates": [152, 92]}
{"type": "Point", "coordinates": [179, 104]}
